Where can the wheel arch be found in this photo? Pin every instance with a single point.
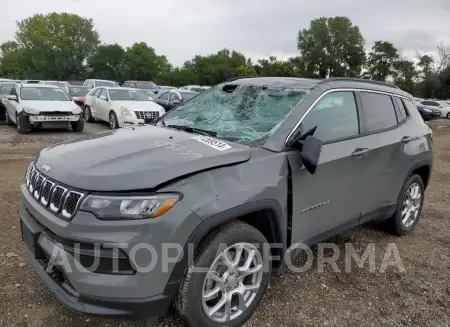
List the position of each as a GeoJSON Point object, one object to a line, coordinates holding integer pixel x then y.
{"type": "Point", "coordinates": [265, 215]}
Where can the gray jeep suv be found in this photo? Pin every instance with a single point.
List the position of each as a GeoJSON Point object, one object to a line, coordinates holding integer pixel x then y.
{"type": "Point", "coordinates": [119, 223]}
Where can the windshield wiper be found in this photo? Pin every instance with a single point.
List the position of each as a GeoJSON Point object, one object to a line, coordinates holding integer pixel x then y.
{"type": "Point", "coordinates": [190, 129]}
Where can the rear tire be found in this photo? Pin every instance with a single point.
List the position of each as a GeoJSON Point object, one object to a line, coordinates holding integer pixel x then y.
{"type": "Point", "coordinates": [409, 207]}
{"type": "Point", "coordinates": [78, 126]}
{"type": "Point", "coordinates": [88, 114]}
{"type": "Point", "coordinates": [22, 124]}
{"type": "Point", "coordinates": [199, 292]}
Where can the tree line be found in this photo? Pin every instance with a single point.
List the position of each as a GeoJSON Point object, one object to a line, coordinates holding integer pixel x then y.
{"type": "Point", "coordinates": [63, 46]}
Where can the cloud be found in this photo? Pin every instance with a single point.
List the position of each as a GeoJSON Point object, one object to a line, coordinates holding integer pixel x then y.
{"type": "Point", "coordinates": [259, 28]}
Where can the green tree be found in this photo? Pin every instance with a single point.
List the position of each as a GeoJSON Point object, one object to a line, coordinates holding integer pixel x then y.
{"type": "Point", "coordinates": [245, 70]}
{"type": "Point", "coordinates": [276, 67]}
{"type": "Point", "coordinates": [426, 63]}
{"type": "Point", "coordinates": [405, 75]}
{"type": "Point", "coordinates": [382, 61]}
{"type": "Point", "coordinates": [331, 47]}
{"type": "Point", "coordinates": [142, 62]}
{"type": "Point", "coordinates": [108, 62]}
{"type": "Point", "coordinates": [218, 67]}
{"type": "Point", "coordinates": [56, 45]}
{"type": "Point", "coordinates": [177, 77]}
{"type": "Point", "coordinates": [12, 60]}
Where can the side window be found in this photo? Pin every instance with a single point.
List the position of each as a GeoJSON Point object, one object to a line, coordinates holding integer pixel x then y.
{"type": "Point", "coordinates": [126, 84]}
{"type": "Point", "coordinates": [335, 116]}
{"type": "Point", "coordinates": [401, 109]}
{"type": "Point", "coordinates": [430, 103]}
{"type": "Point", "coordinates": [410, 106]}
{"type": "Point", "coordinates": [378, 111]}
{"type": "Point", "coordinates": [86, 83]}
{"type": "Point", "coordinates": [165, 96]}
{"type": "Point", "coordinates": [103, 92]}
{"type": "Point", "coordinates": [174, 96]}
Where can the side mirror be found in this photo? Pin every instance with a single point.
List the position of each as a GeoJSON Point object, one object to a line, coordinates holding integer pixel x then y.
{"type": "Point", "coordinates": [12, 97]}
{"type": "Point", "coordinates": [311, 150]}
{"type": "Point", "coordinates": [102, 97]}
{"type": "Point", "coordinates": [176, 102]}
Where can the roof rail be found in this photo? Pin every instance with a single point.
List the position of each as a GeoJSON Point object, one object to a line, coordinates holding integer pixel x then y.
{"type": "Point", "coordinates": [360, 80]}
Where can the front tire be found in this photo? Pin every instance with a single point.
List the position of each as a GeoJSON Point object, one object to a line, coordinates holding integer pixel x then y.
{"type": "Point", "coordinates": [234, 282]}
{"type": "Point", "coordinates": [22, 124]}
{"type": "Point", "coordinates": [9, 122]}
{"type": "Point", "coordinates": [88, 114]}
{"type": "Point", "coordinates": [113, 122]}
{"type": "Point", "coordinates": [78, 126]}
{"type": "Point", "coordinates": [448, 115]}
{"type": "Point", "coordinates": [409, 207]}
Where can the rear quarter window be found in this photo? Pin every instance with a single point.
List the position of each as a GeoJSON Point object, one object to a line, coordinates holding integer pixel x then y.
{"type": "Point", "coordinates": [378, 111]}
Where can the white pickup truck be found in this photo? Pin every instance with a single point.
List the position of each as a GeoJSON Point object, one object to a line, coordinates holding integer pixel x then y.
{"type": "Point", "coordinates": [31, 106]}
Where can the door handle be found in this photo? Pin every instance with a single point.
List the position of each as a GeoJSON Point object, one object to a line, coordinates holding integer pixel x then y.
{"type": "Point", "coordinates": [360, 152]}
{"type": "Point", "coordinates": [406, 139]}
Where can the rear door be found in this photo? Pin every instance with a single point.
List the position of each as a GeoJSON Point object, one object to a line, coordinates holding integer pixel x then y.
{"type": "Point", "coordinates": [330, 199]}
{"type": "Point", "coordinates": [388, 164]}
{"type": "Point", "coordinates": [163, 100]}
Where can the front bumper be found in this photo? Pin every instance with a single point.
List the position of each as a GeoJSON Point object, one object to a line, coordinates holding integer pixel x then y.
{"type": "Point", "coordinates": [44, 118]}
{"type": "Point", "coordinates": [128, 296]}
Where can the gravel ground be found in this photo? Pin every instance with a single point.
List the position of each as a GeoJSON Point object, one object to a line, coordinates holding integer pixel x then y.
{"type": "Point", "coordinates": [419, 296]}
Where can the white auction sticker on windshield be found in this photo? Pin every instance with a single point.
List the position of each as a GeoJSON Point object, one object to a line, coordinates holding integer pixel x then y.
{"type": "Point", "coordinates": [212, 142]}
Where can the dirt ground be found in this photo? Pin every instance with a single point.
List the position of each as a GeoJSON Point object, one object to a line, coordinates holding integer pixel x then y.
{"type": "Point", "coordinates": [420, 296]}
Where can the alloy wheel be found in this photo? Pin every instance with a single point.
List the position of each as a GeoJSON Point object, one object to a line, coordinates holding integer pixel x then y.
{"type": "Point", "coordinates": [411, 205]}
{"type": "Point", "coordinates": [232, 282]}
{"type": "Point", "coordinates": [112, 121]}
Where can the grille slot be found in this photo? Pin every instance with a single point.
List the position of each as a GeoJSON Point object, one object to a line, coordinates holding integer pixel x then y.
{"type": "Point", "coordinates": [143, 114]}
{"type": "Point", "coordinates": [59, 199]}
{"type": "Point", "coordinates": [38, 186]}
{"type": "Point", "coordinates": [71, 203]}
{"type": "Point", "coordinates": [47, 188]}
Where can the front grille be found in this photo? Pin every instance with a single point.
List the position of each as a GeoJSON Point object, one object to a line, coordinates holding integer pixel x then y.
{"type": "Point", "coordinates": [57, 198]}
{"type": "Point", "coordinates": [56, 113]}
{"type": "Point", "coordinates": [147, 114]}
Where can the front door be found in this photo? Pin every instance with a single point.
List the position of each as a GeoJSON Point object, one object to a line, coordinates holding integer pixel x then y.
{"type": "Point", "coordinates": [330, 199]}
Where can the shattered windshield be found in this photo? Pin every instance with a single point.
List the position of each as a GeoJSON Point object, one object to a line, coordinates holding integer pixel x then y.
{"type": "Point", "coordinates": [242, 113]}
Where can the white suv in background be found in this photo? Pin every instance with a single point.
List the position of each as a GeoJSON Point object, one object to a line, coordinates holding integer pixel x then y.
{"type": "Point", "coordinates": [99, 82]}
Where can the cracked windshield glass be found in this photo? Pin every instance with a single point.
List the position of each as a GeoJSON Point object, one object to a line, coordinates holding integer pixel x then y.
{"type": "Point", "coordinates": [242, 113]}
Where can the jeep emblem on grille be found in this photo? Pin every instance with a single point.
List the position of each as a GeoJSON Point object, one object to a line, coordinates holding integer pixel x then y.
{"type": "Point", "coordinates": [46, 168]}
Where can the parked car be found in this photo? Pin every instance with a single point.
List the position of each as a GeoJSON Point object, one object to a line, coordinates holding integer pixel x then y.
{"type": "Point", "coordinates": [6, 80]}
{"type": "Point", "coordinates": [442, 106]}
{"type": "Point", "coordinates": [99, 82]}
{"type": "Point", "coordinates": [30, 81]}
{"type": "Point", "coordinates": [142, 85]}
{"type": "Point", "coordinates": [163, 88]}
{"type": "Point", "coordinates": [78, 93]}
{"type": "Point", "coordinates": [60, 84]}
{"type": "Point", "coordinates": [5, 90]}
{"type": "Point", "coordinates": [30, 106]}
{"type": "Point", "coordinates": [172, 98]}
{"type": "Point", "coordinates": [253, 162]}
{"type": "Point", "coordinates": [120, 106]}
{"type": "Point", "coordinates": [428, 113]}
{"type": "Point", "coordinates": [195, 88]}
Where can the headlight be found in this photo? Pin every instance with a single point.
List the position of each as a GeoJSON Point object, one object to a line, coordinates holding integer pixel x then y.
{"type": "Point", "coordinates": [130, 207]}
{"type": "Point", "coordinates": [31, 111]}
{"type": "Point", "coordinates": [76, 111]}
{"type": "Point", "coordinates": [427, 110]}
{"type": "Point", "coordinates": [126, 112]}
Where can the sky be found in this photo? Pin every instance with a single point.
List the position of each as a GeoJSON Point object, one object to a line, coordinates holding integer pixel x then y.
{"type": "Point", "coordinates": [181, 29]}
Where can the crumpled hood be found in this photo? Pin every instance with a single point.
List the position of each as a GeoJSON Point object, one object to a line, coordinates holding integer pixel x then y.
{"type": "Point", "coordinates": [136, 158]}
{"type": "Point", "coordinates": [50, 106]}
